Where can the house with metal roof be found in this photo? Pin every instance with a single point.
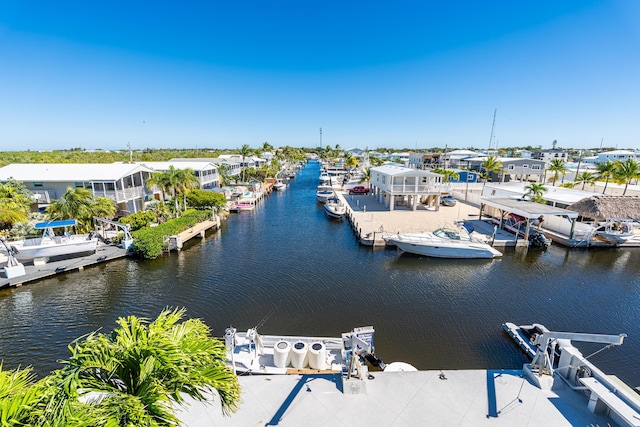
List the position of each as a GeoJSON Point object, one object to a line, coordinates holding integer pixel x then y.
{"type": "Point", "coordinates": [206, 172]}
{"type": "Point", "coordinates": [123, 183]}
{"type": "Point", "coordinates": [401, 186]}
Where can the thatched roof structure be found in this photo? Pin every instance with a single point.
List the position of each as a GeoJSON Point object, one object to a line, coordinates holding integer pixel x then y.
{"type": "Point", "coordinates": [603, 207]}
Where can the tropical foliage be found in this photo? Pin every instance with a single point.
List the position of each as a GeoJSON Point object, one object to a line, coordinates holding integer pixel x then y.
{"type": "Point", "coordinates": [557, 167]}
{"type": "Point", "coordinates": [79, 204]}
{"type": "Point", "coordinates": [489, 165]}
{"type": "Point", "coordinates": [535, 192]}
{"type": "Point", "coordinates": [447, 173]}
{"type": "Point", "coordinates": [15, 202]}
{"type": "Point", "coordinates": [138, 220]}
{"type": "Point", "coordinates": [605, 171]}
{"type": "Point", "coordinates": [150, 242]}
{"type": "Point", "coordinates": [200, 199]}
{"type": "Point", "coordinates": [586, 178]}
{"type": "Point", "coordinates": [625, 172]}
{"type": "Point", "coordinates": [134, 376]}
{"type": "Point", "coordinates": [175, 181]}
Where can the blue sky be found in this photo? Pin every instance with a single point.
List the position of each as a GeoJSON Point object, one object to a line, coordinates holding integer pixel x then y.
{"type": "Point", "coordinates": [372, 74]}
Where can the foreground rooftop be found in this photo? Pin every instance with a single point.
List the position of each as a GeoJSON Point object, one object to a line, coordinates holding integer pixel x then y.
{"type": "Point", "coordinates": [433, 398]}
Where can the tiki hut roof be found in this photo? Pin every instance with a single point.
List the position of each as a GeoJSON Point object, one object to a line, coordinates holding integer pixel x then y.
{"type": "Point", "coordinates": [603, 207]}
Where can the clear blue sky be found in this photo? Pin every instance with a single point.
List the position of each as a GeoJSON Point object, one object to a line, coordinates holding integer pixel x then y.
{"type": "Point", "coordinates": [371, 74]}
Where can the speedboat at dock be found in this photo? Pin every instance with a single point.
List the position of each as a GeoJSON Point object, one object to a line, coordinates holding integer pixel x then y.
{"type": "Point", "coordinates": [446, 242]}
{"type": "Point", "coordinates": [324, 192]}
{"type": "Point", "coordinates": [334, 208]}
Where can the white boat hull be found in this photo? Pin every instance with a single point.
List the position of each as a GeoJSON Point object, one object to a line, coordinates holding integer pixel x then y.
{"type": "Point", "coordinates": [28, 251]}
{"type": "Point", "coordinates": [437, 251]}
{"type": "Point", "coordinates": [337, 213]}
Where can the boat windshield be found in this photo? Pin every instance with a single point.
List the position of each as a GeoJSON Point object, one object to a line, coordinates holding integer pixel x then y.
{"type": "Point", "coordinates": [447, 233]}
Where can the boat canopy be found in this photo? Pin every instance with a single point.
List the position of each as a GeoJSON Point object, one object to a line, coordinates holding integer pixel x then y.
{"type": "Point", "coordinates": [55, 224]}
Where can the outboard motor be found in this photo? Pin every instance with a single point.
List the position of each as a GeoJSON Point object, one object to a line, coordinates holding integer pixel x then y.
{"type": "Point", "coordinates": [373, 360]}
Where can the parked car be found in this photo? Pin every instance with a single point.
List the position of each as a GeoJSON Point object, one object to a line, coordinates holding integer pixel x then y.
{"type": "Point", "coordinates": [359, 189]}
{"type": "Point", "coordinates": [448, 201]}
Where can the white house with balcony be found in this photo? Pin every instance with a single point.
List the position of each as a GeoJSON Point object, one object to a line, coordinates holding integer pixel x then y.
{"type": "Point", "coordinates": [233, 168]}
{"type": "Point", "coordinates": [615, 155]}
{"type": "Point", "coordinates": [206, 172]}
{"type": "Point", "coordinates": [396, 186]}
{"type": "Point", "coordinates": [123, 183]}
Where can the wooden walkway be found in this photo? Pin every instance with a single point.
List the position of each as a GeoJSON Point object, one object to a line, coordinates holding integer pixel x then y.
{"type": "Point", "coordinates": [55, 267]}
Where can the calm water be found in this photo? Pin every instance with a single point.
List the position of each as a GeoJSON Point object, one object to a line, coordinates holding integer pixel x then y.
{"type": "Point", "coordinates": [286, 265]}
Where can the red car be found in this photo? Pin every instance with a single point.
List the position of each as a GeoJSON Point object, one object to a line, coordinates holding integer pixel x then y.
{"type": "Point", "coordinates": [359, 189]}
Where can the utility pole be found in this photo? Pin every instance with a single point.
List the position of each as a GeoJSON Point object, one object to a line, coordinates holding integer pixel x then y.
{"type": "Point", "coordinates": [320, 137]}
{"type": "Point", "coordinates": [130, 152]}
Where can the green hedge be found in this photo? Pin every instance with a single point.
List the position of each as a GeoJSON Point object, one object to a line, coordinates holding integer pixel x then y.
{"type": "Point", "coordinates": [149, 242]}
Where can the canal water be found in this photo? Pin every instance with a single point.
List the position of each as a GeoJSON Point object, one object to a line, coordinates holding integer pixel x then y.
{"type": "Point", "coordinates": [291, 270]}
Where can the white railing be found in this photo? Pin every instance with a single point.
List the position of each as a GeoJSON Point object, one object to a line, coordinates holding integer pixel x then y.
{"type": "Point", "coordinates": [123, 195]}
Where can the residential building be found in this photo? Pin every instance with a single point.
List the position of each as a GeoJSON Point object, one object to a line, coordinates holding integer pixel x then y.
{"type": "Point", "coordinates": [206, 172]}
{"type": "Point", "coordinates": [123, 183]}
{"type": "Point", "coordinates": [458, 158]}
{"type": "Point", "coordinates": [523, 169]}
{"type": "Point", "coordinates": [615, 155]}
{"type": "Point", "coordinates": [548, 155]}
{"type": "Point", "coordinates": [233, 168]}
{"type": "Point", "coordinates": [402, 186]}
{"type": "Point", "coordinates": [424, 160]}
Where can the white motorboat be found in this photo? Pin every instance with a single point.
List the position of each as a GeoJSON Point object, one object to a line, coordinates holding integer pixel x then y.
{"type": "Point", "coordinates": [443, 243]}
{"type": "Point", "coordinates": [325, 178]}
{"type": "Point", "coordinates": [49, 245]}
{"type": "Point", "coordinates": [615, 230]}
{"type": "Point", "coordinates": [279, 185]}
{"type": "Point", "coordinates": [334, 208]}
{"type": "Point", "coordinates": [324, 192]}
{"type": "Point", "coordinates": [251, 353]}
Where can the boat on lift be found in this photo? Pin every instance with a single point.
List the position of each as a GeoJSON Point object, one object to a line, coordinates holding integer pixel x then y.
{"type": "Point", "coordinates": [553, 356]}
{"type": "Point", "coordinates": [50, 245]}
{"type": "Point", "coordinates": [252, 353]}
{"type": "Point", "coordinates": [615, 230]}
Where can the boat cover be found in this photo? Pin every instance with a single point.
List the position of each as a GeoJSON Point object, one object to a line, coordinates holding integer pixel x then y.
{"type": "Point", "coordinates": [55, 224]}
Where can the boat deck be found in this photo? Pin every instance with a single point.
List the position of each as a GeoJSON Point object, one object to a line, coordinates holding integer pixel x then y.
{"type": "Point", "coordinates": [56, 267]}
{"type": "Point", "coordinates": [431, 398]}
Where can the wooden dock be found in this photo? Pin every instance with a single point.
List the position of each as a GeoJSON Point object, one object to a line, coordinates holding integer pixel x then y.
{"type": "Point", "coordinates": [370, 220]}
{"type": "Point", "coordinates": [55, 267]}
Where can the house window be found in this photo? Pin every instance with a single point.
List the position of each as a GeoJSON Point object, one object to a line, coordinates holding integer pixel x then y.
{"type": "Point", "coordinates": [38, 184]}
{"type": "Point", "coordinates": [535, 167]}
{"type": "Point", "coordinates": [511, 167]}
{"type": "Point", "coordinates": [525, 166]}
{"type": "Point", "coordinates": [384, 179]}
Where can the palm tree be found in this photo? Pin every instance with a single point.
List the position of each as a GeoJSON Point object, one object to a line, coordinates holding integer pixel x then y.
{"type": "Point", "coordinates": [586, 178]}
{"type": "Point", "coordinates": [245, 151]}
{"type": "Point", "coordinates": [104, 207]}
{"type": "Point", "coordinates": [141, 370]}
{"type": "Point", "coordinates": [535, 192]}
{"type": "Point", "coordinates": [266, 146]}
{"type": "Point", "coordinates": [167, 181]}
{"type": "Point", "coordinates": [606, 170]}
{"type": "Point", "coordinates": [160, 180]}
{"type": "Point", "coordinates": [491, 164]}
{"type": "Point", "coordinates": [14, 204]}
{"type": "Point", "coordinates": [366, 177]}
{"type": "Point", "coordinates": [558, 167]}
{"type": "Point", "coordinates": [187, 181]}
{"type": "Point", "coordinates": [75, 203]}
{"type": "Point", "coordinates": [626, 171]}
{"type": "Point", "coordinates": [449, 174]}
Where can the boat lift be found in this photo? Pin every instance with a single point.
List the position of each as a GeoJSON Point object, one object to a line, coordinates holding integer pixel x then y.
{"type": "Point", "coordinates": [541, 370]}
{"type": "Point", "coordinates": [127, 240]}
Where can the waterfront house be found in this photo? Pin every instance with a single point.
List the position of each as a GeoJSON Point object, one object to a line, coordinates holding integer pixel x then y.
{"type": "Point", "coordinates": [524, 169]}
{"type": "Point", "coordinates": [233, 168]}
{"type": "Point", "coordinates": [548, 155]}
{"type": "Point", "coordinates": [401, 186]}
{"type": "Point", "coordinates": [424, 160]}
{"type": "Point", "coordinates": [123, 183]}
{"type": "Point", "coordinates": [554, 196]}
{"type": "Point", "coordinates": [206, 172]}
{"type": "Point", "coordinates": [458, 158]}
{"type": "Point", "coordinates": [615, 155]}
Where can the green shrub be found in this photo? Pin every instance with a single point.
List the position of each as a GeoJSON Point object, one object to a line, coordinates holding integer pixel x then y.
{"type": "Point", "coordinates": [138, 220]}
{"type": "Point", "coordinates": [150, 242]}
